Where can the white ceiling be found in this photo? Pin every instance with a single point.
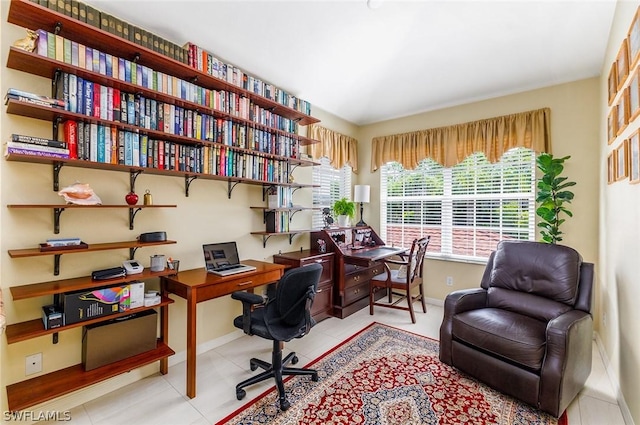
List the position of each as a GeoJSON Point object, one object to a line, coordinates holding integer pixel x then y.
{"type": "Point", "coordinates": [367, 65]}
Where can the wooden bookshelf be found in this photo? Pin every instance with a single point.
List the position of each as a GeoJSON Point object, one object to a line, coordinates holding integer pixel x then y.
{"type": "Point", "coordinates": [35, 252]}
{"type": "Point", "coordinates": [33, 63]}
{"type": "Point", "coordinates": [54, 287]}
{"type": "Point", "coordinates": [33, 16]}
{"type": "Point", "coordinates": [24, 331]}
{"type": "Point", "coordinates": [64, 381]}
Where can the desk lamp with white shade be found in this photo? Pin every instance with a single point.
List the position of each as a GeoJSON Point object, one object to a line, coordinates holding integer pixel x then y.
{"type": "Point", "coordinates": [361, 193]}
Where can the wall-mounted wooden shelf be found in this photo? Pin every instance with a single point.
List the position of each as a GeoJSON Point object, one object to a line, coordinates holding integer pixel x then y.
{"type": "Point", "coordinates": [64, 381]}
{"type": "Point", "coordinates": [36, 252]}
{"type": "Point", "coordinates": [33, 16]}
{"type": "Point", "coordinates": [58, 209]}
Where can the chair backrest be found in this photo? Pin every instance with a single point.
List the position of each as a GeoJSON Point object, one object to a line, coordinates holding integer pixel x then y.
{"type": "Point", "coordinates": [538, 279]}
{"type": "Point", "coordinates": [295, 292]}
{"type": "Point", "coordinates": [416, 257]}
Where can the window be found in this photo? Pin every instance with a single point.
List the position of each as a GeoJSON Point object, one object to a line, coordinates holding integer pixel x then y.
{"type": "Point", "coordinates": [466, 209]}
{"type": "Point", "coordinates": [334, 184]}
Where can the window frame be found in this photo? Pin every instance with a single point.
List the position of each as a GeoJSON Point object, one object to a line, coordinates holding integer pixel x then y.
{"type": "Point", "coordinates": [506, 198]}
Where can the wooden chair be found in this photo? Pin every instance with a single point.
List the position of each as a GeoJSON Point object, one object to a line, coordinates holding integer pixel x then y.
{"type": "Point", "coordinates": [395, 279]}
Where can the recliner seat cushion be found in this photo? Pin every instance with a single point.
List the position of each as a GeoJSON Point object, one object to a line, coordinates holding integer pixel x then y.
{"type": "Point", "coordinates": [515, 337]}
{"type": "Point", "coordinates": [547, 270]}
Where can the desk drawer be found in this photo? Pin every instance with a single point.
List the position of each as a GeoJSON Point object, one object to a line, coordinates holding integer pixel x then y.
{"type": "Point", "coordinates": [327, 267]}
{"type": "Point", "coordinates": [236, 284]}
{"type": "Point", "coordinates": [323, 300]}
{"type": "Point", "coordinates": [355, 293]}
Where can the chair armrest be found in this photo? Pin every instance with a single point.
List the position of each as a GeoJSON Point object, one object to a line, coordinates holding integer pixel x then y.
{"type": "Point", "coordinates": [248, 301]}
{"type": "Point", "coordinates": [247, 297]}
{"type": "Point", "coordinates": [392, 261]}
{"type": "Point", "coordinates": [567, 362]}
{"type": "Point", "coordinates": [457, 302]}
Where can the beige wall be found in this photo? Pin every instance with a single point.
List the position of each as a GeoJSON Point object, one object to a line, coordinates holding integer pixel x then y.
{"type": "Point", "coordinates": [574, 131]}
{"type": "Point", "coordinates": [619, 243]}
{"type": "Point", "coordinates": [604, 229]}
{"type": "Point", "coordinates": [207, 215]}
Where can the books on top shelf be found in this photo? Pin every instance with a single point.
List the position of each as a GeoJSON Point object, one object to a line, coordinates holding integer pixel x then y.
{"type": "Point", "coordinates": [35, 99]}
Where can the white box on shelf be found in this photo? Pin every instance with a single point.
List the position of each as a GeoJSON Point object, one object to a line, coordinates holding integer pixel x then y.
{"type": "Point", "coordinates": [136, 291]}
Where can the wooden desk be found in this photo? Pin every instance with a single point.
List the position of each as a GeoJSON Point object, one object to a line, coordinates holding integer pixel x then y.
{"type": "Point", "coordinates": [196, 286]}
{"type": "Point", "coordinates": [358, 251]}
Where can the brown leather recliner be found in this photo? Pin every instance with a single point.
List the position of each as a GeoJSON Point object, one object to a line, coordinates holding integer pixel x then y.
{"type": "Point", "coordinates": [527, 331]}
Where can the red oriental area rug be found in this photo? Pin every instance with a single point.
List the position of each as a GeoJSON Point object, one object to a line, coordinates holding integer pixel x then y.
{"type": "Point", "coordinates": [387, 376]}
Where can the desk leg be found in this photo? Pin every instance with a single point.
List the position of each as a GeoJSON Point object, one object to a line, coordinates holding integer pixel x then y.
{"type": "Point", "coordinates": [191, 343]}
{"type": "Point", "coordinates": [164, 326]}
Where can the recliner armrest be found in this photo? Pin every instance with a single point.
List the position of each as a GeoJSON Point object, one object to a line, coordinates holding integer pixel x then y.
{"type": "Point", "coordinates": [567, 362]}
{"type": "Point", "coordinates": [457, 302]}
{"type": "Point", "coordinates": [464, 300]}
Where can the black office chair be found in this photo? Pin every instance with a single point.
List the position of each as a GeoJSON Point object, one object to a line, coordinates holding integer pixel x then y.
{"type": "Point", "coordinates": [285, 316]}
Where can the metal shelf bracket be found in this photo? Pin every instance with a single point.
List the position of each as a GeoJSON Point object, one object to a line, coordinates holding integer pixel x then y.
{"type": "Point", "coordinates": [57, 212]}
{"type": "Point", "coordinates": [187, 182]}
{"type": "Point", "coordinates": [132, 216]}
{"type": "Point", "coordinates": [57, 166]}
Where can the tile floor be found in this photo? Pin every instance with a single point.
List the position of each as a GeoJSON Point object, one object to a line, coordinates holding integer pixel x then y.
{"type": "Point", "coordinates": [161, 399]}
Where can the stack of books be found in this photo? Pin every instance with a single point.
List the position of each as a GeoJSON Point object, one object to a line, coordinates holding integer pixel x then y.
{"type": "Point", "coordinates": [35, 99]}
{"type": "Point", "coordinates": [36, 146]}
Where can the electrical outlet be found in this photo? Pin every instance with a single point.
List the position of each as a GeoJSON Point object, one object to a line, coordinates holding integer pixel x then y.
{"type": "Point", "coordinates": [449, 280]}
{"type": "Point", "coordinates": [33, 364]}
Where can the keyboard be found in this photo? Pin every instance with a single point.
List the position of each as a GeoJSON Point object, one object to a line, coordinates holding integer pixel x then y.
{"type": "Point", "coordinates": [227, 267]}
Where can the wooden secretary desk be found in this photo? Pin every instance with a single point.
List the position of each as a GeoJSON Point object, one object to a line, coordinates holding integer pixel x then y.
{"type": "Point", "coordinates": [357, 254]}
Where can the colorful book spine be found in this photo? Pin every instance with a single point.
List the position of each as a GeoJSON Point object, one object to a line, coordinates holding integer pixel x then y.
{"type": "Point", "coordinates": [21, 151]}
{"type": "Point", "coordinates": [41, 148]}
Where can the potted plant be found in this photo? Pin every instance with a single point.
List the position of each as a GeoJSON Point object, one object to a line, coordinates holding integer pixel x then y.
{"type": "Point", "coordinates": [552, 197]}
{"type": "Point", "coordinates": [345, 210]}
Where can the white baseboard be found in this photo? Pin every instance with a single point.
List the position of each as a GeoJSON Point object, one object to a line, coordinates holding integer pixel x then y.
{"type": "Point", "coordinates": [435, 301]}
{"type": "Point", "coordinates": [624, 408]}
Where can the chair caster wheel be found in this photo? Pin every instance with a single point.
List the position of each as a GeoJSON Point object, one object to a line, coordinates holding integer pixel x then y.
{"type": "Point", "coordinates": [294, 359]}
{"type": "Point", "coordinates": [284, 405]}
{"type": "Point", "coordinates": [240, 394]}
{"type": "Point", "coordinates": [314, 377]}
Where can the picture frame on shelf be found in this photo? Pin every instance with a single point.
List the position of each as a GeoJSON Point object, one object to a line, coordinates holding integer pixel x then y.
{"type": "Point", "coordinates": [634, 40]}
{"type": "Point", "coordinates": [611, 124]}
{"type": "Point", "coordinates": [634, 96]}
{"type": "Point", "coordinates": [613, 83]}
{"type": "Point", "coordinates": [622, 112]}
{"type": "Point", "coordinates": [621, 161]}
{"type": "Point", "coordinates": [622, 64]}
{"type": "Point", "coordinates": [634, 158]}
{"type": "Point", "coordinates": [611, 168]}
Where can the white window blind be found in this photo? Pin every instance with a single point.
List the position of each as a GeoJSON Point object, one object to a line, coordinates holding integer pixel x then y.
{"type": "Point", "coordinates": [466, 209]}
{"type": "Point", "coordinates": [334, 184]}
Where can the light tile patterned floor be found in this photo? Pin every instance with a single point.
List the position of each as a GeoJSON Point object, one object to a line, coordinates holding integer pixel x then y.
{"type": "Point", "coordinates": [161, 399]}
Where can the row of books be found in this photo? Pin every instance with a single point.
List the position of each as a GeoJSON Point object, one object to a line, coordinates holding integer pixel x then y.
{"type": "Point", "coordinates": [104, 144]}
{"type": "Point", "coordinates": [116, 26]}
{"type": "Point", "coordinates": [85, 97]}
{"type": "Point", "coordinates": [77, 54]}
{"type": "Point", "coordinates": [280, 197]}
{"type": "Point", "coordinates": [205, 62]}
{"type": "Point", "coordinates": [190, 53]}
{"type": "Point", "coordinates": [36, 146]}
{"type": "Point", "coordinates": [277, 221]}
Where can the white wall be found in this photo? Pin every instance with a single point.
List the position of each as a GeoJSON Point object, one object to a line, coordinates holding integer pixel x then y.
{"type": "Point", "coordinates": [619, 247]}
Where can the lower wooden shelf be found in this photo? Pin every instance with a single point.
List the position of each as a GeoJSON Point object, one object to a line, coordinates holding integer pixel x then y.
{"type": "Point", "coordinates": [34, 328]}
{"type": "Point", "coordinates": [64, 381]}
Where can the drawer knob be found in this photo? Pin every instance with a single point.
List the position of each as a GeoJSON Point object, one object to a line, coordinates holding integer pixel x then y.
{"type": "Point", "coordinates": [356, 278]}
{"type": "Point", "coordinates": [318, 291]}
{"type": "Point", "coordinates": [245, 283]}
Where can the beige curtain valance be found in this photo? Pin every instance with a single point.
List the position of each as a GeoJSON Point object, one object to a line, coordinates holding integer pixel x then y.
{"type": "Point", "coordinates": [340, 149]}
{"type": "Point", "coordinates": [451, 145]}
